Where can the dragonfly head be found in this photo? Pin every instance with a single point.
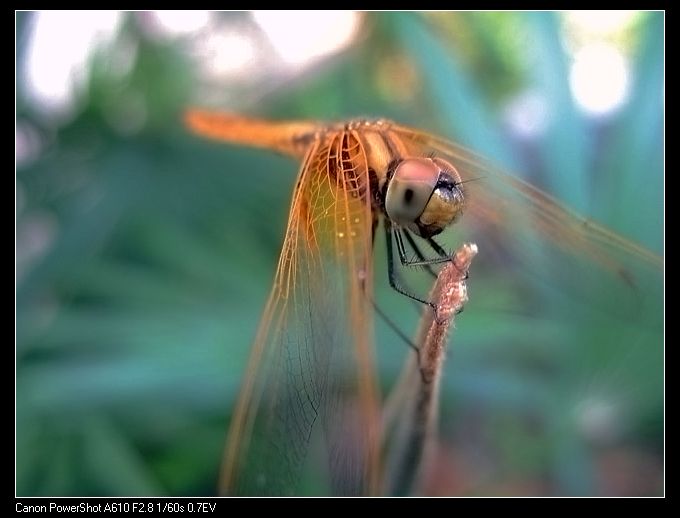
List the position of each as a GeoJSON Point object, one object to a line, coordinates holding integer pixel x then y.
{"type": "Point", "coordinates": [424, 195]}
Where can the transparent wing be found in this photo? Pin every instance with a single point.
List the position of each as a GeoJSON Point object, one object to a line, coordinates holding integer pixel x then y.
{"type": "Point", "coordinates": [306, 420]}
{"type": "Point", "coordinates": [499, 199]}
{"type": "Point", "coordinates": [558, 289]}
{"type": "Point", "coordinates": [565, 317]}
{"type": "Point", "coordinates": [502, 211]}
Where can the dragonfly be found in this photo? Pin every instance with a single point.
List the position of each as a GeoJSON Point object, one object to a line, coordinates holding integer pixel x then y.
{"type": "Point", "coordinates": [310, 395]}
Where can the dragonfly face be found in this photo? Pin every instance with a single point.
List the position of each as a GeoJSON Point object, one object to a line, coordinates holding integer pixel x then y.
{"type": "Point", "coordinates": [309, 396]}
{"type": "Point", "coordinates": [424, 195]}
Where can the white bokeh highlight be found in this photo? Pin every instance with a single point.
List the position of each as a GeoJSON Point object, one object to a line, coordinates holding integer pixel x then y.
{"type": "Point", "coordinates": [58, 49]}
{"type": "Point", "coordinates": [599, 78]}
{"type": "Point", "coordinates": [301, 37]}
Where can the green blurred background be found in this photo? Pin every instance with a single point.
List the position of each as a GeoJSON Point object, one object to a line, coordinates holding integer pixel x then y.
{"type": "Point", "coordinates": [144, 255]}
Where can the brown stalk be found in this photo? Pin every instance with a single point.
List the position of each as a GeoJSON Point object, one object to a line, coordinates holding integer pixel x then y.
{"type": "Point", "coordinates": [410, 414]}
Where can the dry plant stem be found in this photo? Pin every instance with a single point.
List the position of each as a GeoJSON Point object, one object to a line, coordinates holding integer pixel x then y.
{"type": "Point", "coordinates": [411, 410]}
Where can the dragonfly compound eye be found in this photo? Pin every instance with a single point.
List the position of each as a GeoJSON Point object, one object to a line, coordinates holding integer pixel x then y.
{"type": "Point", "coordinates": [424, 195]}
{"type": "Point", "coordinates": [444, 206]}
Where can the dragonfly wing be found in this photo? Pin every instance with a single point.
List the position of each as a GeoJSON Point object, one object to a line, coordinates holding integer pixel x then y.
{"type": "Point", "coordinates": [585, 304]}
{"type": "Point", "coordinates": [309, 400]}
{"type": "Point", "coordinates": [512, 211]}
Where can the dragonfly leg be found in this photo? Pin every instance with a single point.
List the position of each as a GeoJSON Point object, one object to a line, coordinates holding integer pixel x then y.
{"type": "Point", "coordinates": [391, 273]}
{"type": "Point", "coordinates": [403, 336]}
{"type": "Point", "coordinates": [445, 258]}
{"type": "Point", "coordinates": [394, 327]}
{"type": "Point", "coordinates": [437, 248]}
{"type": "Point", "coordinates": [419, 253]}
{"type": "Point", "coordinates": [442, 253]}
